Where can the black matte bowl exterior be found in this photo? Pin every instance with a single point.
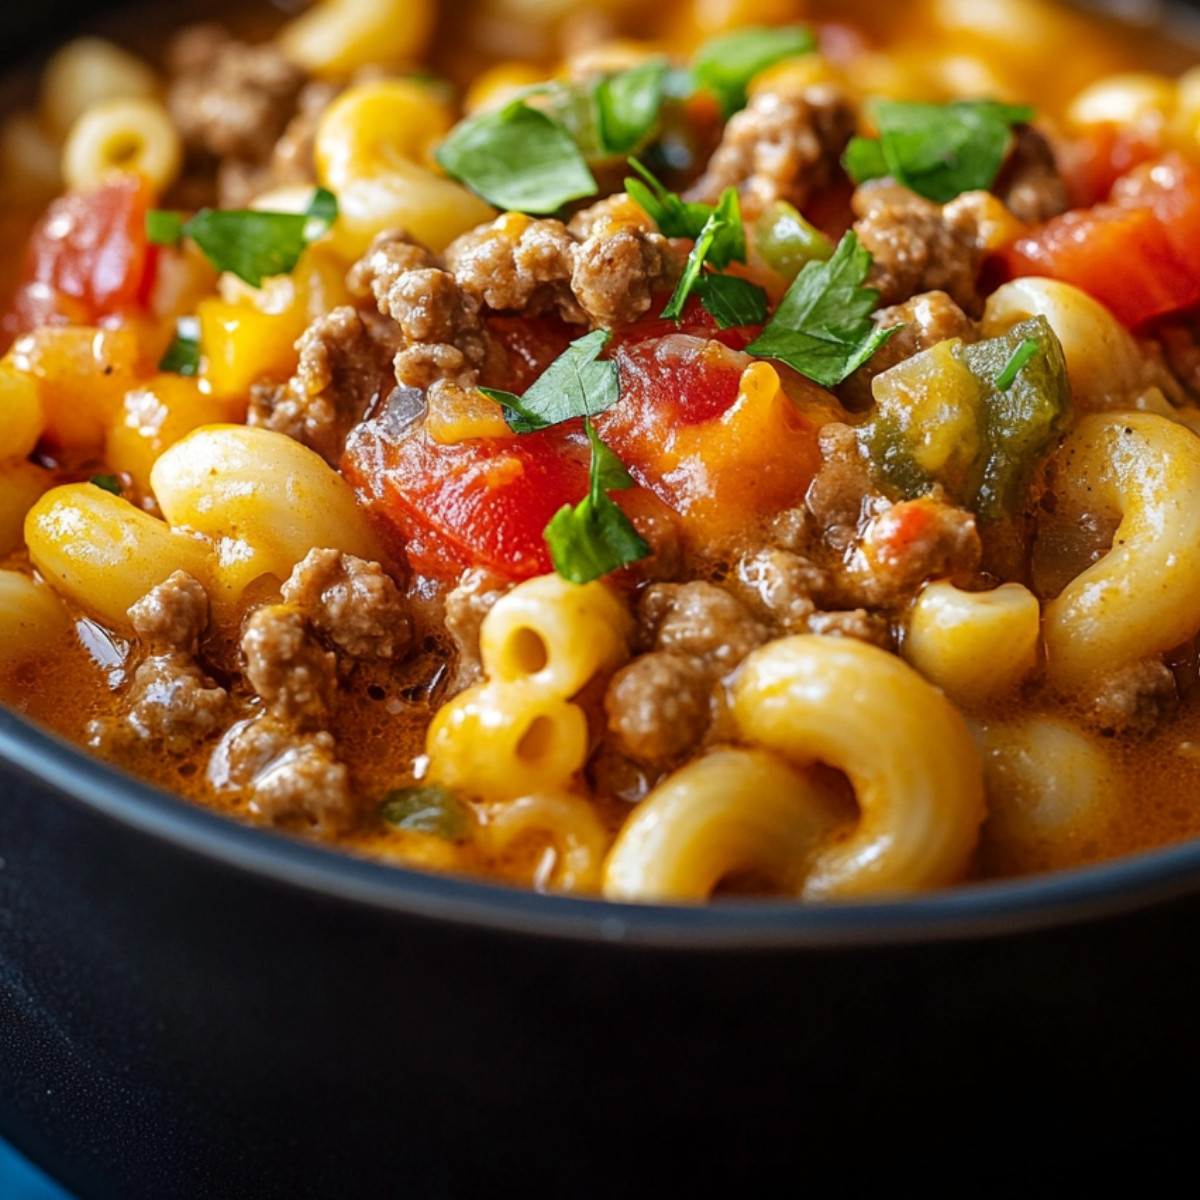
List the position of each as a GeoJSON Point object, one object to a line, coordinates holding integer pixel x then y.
{"type": "Point", "coordinates": [189, 1008]}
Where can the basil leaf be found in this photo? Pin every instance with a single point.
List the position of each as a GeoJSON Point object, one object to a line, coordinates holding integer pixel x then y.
{"type": "Point", "coordinates": [938, 151]}
{"type": "Point", "coordinates": [1020, 357]}
{"type": "Point", "coordinates": [575, 384]}
{"type": "Point", "coordinates": [183, 354]}
{"type": "Point", "coordinates": [517, 158]}
{"type": "Point", "coordinates": [732, 300]}
{"type": "Point", "coordinates": [249, 243]}
{"type": "Point", "coordinates": [595, 536]}
{"type": "Point", "coordinates": [427, 808]}
{"type": "Point", "coordinates": [628, 104]}
{"type": "Point", "coordinates": [109, 483]}
{"type": "Point", "coordinates": [726, 65]}
{"type": "Point", "coordinates": [822, 327]}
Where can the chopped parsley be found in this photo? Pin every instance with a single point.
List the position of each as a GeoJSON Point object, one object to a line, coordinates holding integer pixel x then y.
{"type": "Point", "coordinates": [183, 354]}
{"type": "Point", "coordinates": [251, 244]}
{"type": "Point", "coordinates": [628, 105]}
{"type": "Point", "coordinates": [938, 151]}
{"type": "Point", "coordinates": [732, 300]}
{"type": "Point", "coordinates": [1020, 357]}
{"type": "Point", "coordinates": [576, 384]}
{"type": "Point", "coordinates": [534, 154]}
{"type": "Point", "coordinates": [822, 327]}
{"type": "Point", "coordinates": [595, 536]}
{"type": "Point", "coordinates": [517, 158]}
{"type": "Point", "coordinates": [725, 65]}
{"type": "Point", "coordinates": [108, 483]}
{"type": "Point", "coordinates": [720, 242]}
{"type": "Point", "coordinates": [679, 218]}
{"type": "Point", "coordinates": [427, 808]}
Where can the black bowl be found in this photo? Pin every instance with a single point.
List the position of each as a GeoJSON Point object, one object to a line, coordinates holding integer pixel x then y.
{"type": "Point", "coordinates": [191, 1008]}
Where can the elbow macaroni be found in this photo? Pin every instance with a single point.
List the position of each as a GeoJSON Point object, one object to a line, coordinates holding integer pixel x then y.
{"type": "Point", "coordinates": [1143, 596]}
{"type": "Point", "coordinates": [905, 749]}
{"type": "Point", "coordinates": [123, 135]}
{"type": "Point", "coordinates": [336, 37]}
{"type": "Point", "coordinates": [731, 811]}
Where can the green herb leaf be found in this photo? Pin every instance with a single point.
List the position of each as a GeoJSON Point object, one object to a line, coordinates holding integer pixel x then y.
{"type": "Point", "coordinates": [721, 241]}
{"type": "Point", "coordinates": [249, 243]}
{"type": "Point", "coordinates": [674, 216]}
{"type": "Point", "coordinates": [726, 64]}
{"type": "Point", "coordinates": [517, 158]}
{"type": "Point", "coordinates": [732, 300]}
{"type": "Point", "coordinates": [183, 354]}
{"type": "Point", "coordinates": [938, 151]}
{"type": "Point", "coordinates": [110, 483]}
{"type": "Point", "coordinates": [822, 327]}
{"type": "Point", "coordinates": [163, 227]}
{"type": "Point", "coordinates": [595, 536]}
{"type": "Point", "coordinates": [1020, 356]}
{"type": "Point", "coordinates": [427, 808]}
{"type": "Point", "coordinates": [576, 384]}
{"type": "Point", "coordinates": [628, 104]}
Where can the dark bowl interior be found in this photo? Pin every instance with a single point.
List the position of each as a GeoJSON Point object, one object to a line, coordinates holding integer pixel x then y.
{"type": "Point", "coordinates": [192, 1008]}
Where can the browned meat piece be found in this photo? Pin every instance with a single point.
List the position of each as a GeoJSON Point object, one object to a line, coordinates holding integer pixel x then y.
{"type": "Point", "coordinates": [612, 212]}
{"type": "Point", "coordinates": [344, 364]}
{"type": "Point", "coordinates": [843, 492]}
{"type": "Point", "coordinates": [291, 778]}
{"type": "Point", "coordinates": [781, 146]}
{"type": "Point", "coordinates": [615, 275]}
{"type": "Point", "coordinates": [917, 246]}
{"type": "Point", "coordinates": [170, 699]}
{"type": "Point", "coordinates": [232, 99]}
{"type": "Point", "coordinates": [658, 706]}
{"type": "Point", "coordinates": [1136, 697]}
{"type": "Point", "coordinates": [352, 603]}
{"type": "Point", "coordinates": [925, 320]}
{"type": "Point", "coordinates": [447, 341]}
{"type": "Point", "coordinates": [855, 623]}
{"type": "Point", "coordinates": [514, 265]}
{"type": "Point", "coordinates": [1029, 182]}
{"type": "Point", "coordinates": [173, 615]}
{"type": "Point", "coordinates": [779, 586]}
{"type": "Point", "coordinates": [287, 667]}
{"type": "Point", "coordinates": [533, 267]}
{"type": "Point", "coordinates": [700, 622]}
{"type": "Point", "coordinates": [888, 569]}
{"type": "Point", "coordinates": [466, 606]}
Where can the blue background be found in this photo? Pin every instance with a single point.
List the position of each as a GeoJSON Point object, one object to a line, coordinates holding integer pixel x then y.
{"type": "Point", "coordinates": [21, 1180]}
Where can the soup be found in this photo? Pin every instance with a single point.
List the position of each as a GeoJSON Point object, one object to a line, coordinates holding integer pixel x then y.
{"type": "Point", "coordinates": [645, 455]}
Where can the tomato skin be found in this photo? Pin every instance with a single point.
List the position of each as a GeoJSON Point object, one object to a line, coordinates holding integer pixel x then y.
{"type": "Point", "coordinates": [88, 258]}
{"type": "Point", "coordinates": [717, 451]}
{"type": "Point", "coordinates": [483, 502]}
{"type": "Point", "coordinates": [1138, 254]}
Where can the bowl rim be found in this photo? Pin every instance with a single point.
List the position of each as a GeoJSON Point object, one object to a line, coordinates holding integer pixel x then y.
{"type": "Point", "coordinates": [973, 910]}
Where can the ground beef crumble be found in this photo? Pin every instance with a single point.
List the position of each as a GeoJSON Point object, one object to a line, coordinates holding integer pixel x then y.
{"type": "Point", "coordinates": [170, 700]}
{"type": "Point", "coordinates": [784, 145]}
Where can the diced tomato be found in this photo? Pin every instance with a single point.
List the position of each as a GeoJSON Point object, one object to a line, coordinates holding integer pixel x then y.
{"type": "Point", "coordinates": [715, 437]}
{"type": "Point", "coordinates": [531, 344]}
{"type": "Point", "coordinates": [1092, 164]}
{"type": "Point", "coordinates": [88, 258]}
{"type": "Point", "coordinates": [1138, 254]}
{"type": "Point", "coordinates": [696, 321]}
{"type": "Point", "coordinates": [483, 502]}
